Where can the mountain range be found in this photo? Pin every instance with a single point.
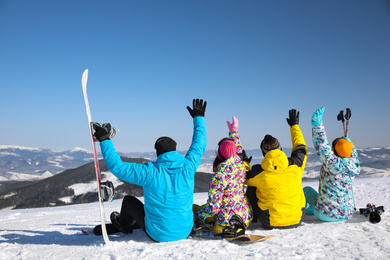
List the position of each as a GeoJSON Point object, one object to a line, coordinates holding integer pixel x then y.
{"type": "Point", "coordinates": [33, 177]}
{"type": "Point", "coordinates": [19, 163]}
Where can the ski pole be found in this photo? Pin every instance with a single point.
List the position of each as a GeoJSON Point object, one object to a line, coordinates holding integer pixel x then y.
{"type": "Point", "coordinates": [347, 117]}
{"type": "Point", "coordinates": [340, 117]}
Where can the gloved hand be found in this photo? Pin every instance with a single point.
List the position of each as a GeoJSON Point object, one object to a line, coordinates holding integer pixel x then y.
{"type": "Point", "coordinates": [233, 127]}
{"type": "Point", "coordinates": [293, 117]}
{"type": "Point", "coordinates": [198, 108]}
{"type": "Point", "coordinates": [104, 132]}
{"type": "Point", "coordinates": [245, 157]}
{"type": "Point", "coordinates": [316, 119]}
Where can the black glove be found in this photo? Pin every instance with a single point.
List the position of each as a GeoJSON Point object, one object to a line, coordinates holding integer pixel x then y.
{"type": "Point", "coordinates": [104, 132]}
{"type": "Point", "coordinates": [198, 108]}
{"type": "Point", "coordinates": [293, 117]}
{"type": "Point", "coordinates": [245, 157]}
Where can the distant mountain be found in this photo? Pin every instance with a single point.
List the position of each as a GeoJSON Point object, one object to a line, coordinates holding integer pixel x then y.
{"type": "Point", "coordinates": [374, 162]}
{"type": "Point", "coordinates": [32, 177]}
{"type": "Point", "coordinates": [75, 186]}
{"type": "Point", "coordinates": [19, 163]}
{"type": "Point", "coordinates": [32, 164]}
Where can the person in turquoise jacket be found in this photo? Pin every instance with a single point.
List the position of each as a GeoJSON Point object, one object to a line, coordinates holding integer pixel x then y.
{"type": "Point", "coordinates": [340, 165]}
{"type": "Point", "coordinates": [168, 184]}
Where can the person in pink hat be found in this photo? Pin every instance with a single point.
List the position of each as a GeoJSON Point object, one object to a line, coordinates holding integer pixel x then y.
{"type": "Point", "coordinates": [226, 194]}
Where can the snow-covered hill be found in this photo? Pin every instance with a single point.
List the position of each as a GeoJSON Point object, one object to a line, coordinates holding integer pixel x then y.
{"type": "Point", "coordinates": [31, 164]}
{"type": "Point", "coordinates": [54, 233]}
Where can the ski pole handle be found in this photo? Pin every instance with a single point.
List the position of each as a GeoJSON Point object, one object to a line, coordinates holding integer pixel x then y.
{"type": "Point", "coordinates": [348, 114]}
{"type": "Point", "coordinates": [340, 116]}
{"type": "Point", "coordinates": [347, 117]}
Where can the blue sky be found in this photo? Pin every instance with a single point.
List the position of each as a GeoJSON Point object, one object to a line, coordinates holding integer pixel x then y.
{"type": "Point", "coordinates": [147, 60]}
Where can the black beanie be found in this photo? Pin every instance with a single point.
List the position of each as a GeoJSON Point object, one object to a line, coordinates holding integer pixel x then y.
{"type": "Point", "coordinates": [164, 144]}
{"type": "Point", "coordinates": [269, 143]}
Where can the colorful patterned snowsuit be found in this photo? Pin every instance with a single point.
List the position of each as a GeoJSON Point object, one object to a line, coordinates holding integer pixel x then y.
{"type": "Point", "coordinates": [335, 196]}
{"type": "Point", "coordinates": [226, 194]}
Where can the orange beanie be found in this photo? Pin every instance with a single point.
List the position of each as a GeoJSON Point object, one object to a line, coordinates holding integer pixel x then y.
{"type": "Point", "coordinates": [342, 147]}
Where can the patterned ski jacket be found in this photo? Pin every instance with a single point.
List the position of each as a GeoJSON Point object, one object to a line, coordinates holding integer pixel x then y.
{"type": "Point", "coordinates": [278, 182]}
{"type": "Point", "coordinates": [335, 195]}
{"type": "Point", "coordinates": [226, 193]}
{"type": "Point", "coordinates": [168, 185]}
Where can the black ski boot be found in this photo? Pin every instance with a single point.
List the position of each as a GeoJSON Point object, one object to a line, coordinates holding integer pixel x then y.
{"type": "Point", "coordinates": [111, 229]}
{"type": "Point", "coordinates": [115, 221]}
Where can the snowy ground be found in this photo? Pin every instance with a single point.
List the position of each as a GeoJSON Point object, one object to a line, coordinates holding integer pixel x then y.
{"type": "Point", "coordinates": [54, 233]}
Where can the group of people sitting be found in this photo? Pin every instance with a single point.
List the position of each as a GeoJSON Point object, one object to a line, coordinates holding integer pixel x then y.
{"type": "Point", "coordinates": [270, 193]}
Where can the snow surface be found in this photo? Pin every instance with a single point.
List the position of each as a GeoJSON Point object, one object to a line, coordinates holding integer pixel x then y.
{"type": "Point", "coordinates": [54, 233]}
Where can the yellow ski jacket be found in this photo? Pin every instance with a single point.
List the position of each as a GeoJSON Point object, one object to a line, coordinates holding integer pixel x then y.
{"type": "Point", "coordinates": [278, 182]}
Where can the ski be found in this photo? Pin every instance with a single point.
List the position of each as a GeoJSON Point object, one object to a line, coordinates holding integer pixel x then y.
{"type": "Point", "coordinates": [84, 80]}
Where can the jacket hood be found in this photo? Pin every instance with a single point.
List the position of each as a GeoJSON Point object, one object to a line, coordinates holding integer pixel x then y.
{"type": "Point", "coordinates": [170, 160]}
{"type": "Point", "coordinates": [275, 161]}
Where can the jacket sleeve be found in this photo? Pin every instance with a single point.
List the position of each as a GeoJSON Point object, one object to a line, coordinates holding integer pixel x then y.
{"type": "Point", "coordinates": [236, 138]}
{"type": "Point", "coordinates": [129, 172]}
{"type": "Point", "coordinates": [214, 202]}
{"type": "Point", "coordinates": [299, 150]}
{"type": "Point", "coordinates": [355, 162]}
{"type": "Point", "coordinates": [198, 145]}
{"type": "Point", "coordinates": [251, 174]}
{"type": "Point", "coordinates": [322, 146]}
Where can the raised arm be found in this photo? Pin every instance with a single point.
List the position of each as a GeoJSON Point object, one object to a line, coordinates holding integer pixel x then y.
{"type": "Point", "coordinates": [299, 150]}
{"type": "Point", "coordinates": [130, 172]}
{"type": "Point", "coordinates": [199, 139]}
{"type": "Point", "coordinates": [233, 134]}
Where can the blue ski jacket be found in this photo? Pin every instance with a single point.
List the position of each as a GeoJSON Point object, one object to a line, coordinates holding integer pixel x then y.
{"type": "Point", "coordinates": [168, 185]}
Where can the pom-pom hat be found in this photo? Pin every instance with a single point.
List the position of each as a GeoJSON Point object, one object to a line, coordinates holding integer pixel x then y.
{"type": "Point", "coordinates": [227, 149]}
{"type": "Point", "coordinates": [269, 143]}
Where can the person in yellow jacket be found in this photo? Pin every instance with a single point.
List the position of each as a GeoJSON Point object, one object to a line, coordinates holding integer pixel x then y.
{"type": "Point", "coordinates": [275, 187]}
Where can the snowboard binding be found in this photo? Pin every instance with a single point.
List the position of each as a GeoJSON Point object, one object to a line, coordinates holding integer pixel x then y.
{"type": "Point", "coordinates": [201, 227]}
{"type": "Point", "coordinates": [236, 228]}
{"type": "Point", "coordinates": [107, 191]}
{"type": "Point", "coordinates": [109, 129]}
{"type": "Point", "coordinates": [373, 213]}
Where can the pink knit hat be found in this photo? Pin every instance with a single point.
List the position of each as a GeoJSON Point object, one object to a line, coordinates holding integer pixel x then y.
{"type": "Point", "coordinates": [227, 149]}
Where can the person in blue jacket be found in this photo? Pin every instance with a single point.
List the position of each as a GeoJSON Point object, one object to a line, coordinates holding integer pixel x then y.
{"type": "Point", "coordinates": [340, 165]}
{"type": "Point", "coordinates": [168, 184]}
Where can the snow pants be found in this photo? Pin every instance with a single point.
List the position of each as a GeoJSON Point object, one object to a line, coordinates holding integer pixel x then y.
{"type": "Point", "coordinates": [257, 214]}
{"type": "Point", "coordinates": [310, 195]}
{"type": "Point", "coordinates": [132, 215]}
